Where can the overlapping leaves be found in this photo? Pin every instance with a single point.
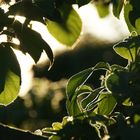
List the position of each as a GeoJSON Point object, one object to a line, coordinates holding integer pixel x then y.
{"type": "Point", "coordinates": [129, 48]}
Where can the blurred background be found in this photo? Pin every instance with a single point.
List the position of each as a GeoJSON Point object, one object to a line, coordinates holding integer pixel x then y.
{"type": "Point", "coordinates": [42, 96]}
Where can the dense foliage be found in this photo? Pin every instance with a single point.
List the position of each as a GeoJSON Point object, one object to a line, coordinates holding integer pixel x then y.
{"type": "Point", "coordinates": [111, 111]}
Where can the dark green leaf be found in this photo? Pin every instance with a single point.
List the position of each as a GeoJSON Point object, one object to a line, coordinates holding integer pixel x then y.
{"type": "Point", "coordinates": [26, 9]}
{"type": "Point", "coordinates": [82, 2]}
{"type": "Point", "coordinates": [68, 30]}
{"type": "Point", "coordinates": [90, 98]}
{"type": "Point", "coordinates": [135, 13]}
{"type": "Point", "coordinates": [48, 9]}
{"type": "Point", "coordinates": [117, 7]}
{"type": "Point", "coordinates": [102, 66]}
{"type": "Point", "coordinates": [107, 104]}
{"type": "Point", "coordinates": [133, 21]}
{"type": "Point", "coordinates": [73, 107]}
{"type": "Point", "coordinates": [31, 42]}
{"type": "Point", "coordinates": [77, 80]}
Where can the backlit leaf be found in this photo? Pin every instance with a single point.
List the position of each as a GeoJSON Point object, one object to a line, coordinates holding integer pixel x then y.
{"type": "Point", "coordinates": [11, 88]}
{"type": "Point", "coordinates": [107, 104]}
{"type": "Point", "coordinates": [77, 80]}
{"type": "Point", "coordinates": [9, 76]}
{"type": "Point", "coordinates": [129, 48]}
{"type": "Point", "coordinates": [68, 30]}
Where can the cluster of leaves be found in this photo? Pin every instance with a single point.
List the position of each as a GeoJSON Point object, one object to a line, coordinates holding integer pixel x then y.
{"type": "Point", "coordinates": [111, 111]}
{"type": "Point", "coordinates": [61, 20]}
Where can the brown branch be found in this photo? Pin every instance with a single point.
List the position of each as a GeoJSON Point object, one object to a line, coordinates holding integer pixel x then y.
{"type": "Point", "coordinates": [10, 133]}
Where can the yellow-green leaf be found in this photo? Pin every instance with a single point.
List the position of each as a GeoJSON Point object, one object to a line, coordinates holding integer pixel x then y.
{"type": "Point", "coordinates": [11, 88]}
{"type": "Point", "coordinates": [68, 30]}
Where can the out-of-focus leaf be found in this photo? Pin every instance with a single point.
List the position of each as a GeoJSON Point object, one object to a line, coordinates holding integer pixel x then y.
{"type": "Point", "coordinates": [117, 7]}
{"type": "Point", "coordinates": [9, 76]}
{"type": "Point", "coordinates": [11, 88]}
{"type": "Point", "coordinates": [26, 9]}
{"type": "Point", "coordinates": [82, 2]}
{"type": "Point", "coordinates": [136, 118]}
{"type": "Point", "coordinates": [57, 125]}
{"type": "Point", "coordinates": [129, 48]}
{"type": "Point", "coordinates": [127, 102]}
{"type": "Point", "coordinates": [53, 137]}
{"type": "Point", "coordinates": [135, 13]}
{"type": "Point", "coordinates": [48, 8]}
{"type": "Point", "coordinates": [102, 9]}
{"type": "Point", "coordinates": [68, 30]}
{"type": "Point", "coordinates": [31, 42]}
{"type": "Point", "coordinates": [107, 104]}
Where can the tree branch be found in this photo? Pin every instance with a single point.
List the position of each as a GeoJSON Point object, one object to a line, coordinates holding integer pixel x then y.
{"type": "Point", "coordinates": [11, 133]}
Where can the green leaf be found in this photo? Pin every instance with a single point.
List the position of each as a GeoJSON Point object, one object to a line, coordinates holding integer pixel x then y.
{"type": "Point", "coordinates": [11, 88]}
{"type": "Point", "coordinates": [107, 104]}
{"type": "Point", "coordinates": [117, 7]}
{"type": "Point", "coordinates": [9, 76]}
{"type": "Point", "coordinates": [73, 107]}
{"type": "Point", "coordinates": [68, 30]}
{"type": "Point", "coordinates": [57, 125]}
{"type": "Point", "coordinates": [77, 80]}
{"type": "Point", "coordinates": [53, 137]}
{"type": "Point", "coordinates": [129, 48]}
{"type": "Point", "coordinates": [136, 118]}
{"type": "Point", "coordinates": [102, 9]}
{"type": "Point", "coordinates": [102, 66]}
{"type": "Point", "coordinates": [118, 83]}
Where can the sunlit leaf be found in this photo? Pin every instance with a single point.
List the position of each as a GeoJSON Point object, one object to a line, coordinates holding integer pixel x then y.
{"type": "Point", "coordinates": [127, 102]}
{"type": "Point", "coordinates": [77, 80]}
{"type": "Point", "coordinates": [102, 66]}
{"type": "Point", "coordinates": [57, 125]}
{"type": "Point", "coordinates": [68, 30]}
{"type": "Point", "coordinates": [9, 76]}
{"type": "Point", "coordinates": [102, 9]}
{"type": "Point", "coordinates": [136, 118]}
{"type": "Point", "coordinates": [107, 104]}
{"type": "Point", "coordinates": [129, 48]}
{"type": "Point", "coordinates": [11, 88]}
